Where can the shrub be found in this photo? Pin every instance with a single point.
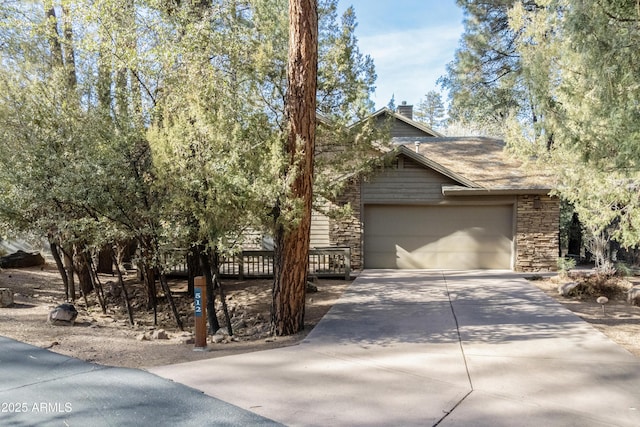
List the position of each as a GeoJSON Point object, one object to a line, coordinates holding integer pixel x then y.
{"type": "Point", "coordinates": [564, 265]}
{"type": "Point", "coordinates": [623, 269]}
{"type": "Point", "coordinates": [599, 285]}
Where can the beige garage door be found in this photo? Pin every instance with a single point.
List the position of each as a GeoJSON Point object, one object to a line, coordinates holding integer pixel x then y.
{"type": "Point", "coordinates": [449, 237]}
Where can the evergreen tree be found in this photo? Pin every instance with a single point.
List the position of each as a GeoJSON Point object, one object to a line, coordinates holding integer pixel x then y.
{"type": "Point", "coordinates": [484, 80]}
{"type": "Point", "coordinates": [169, 128]}
{"type": "Point", "coordinates": [430, 110]}
{"type": "Point", "coordinates": [392, 103]}
{"type": "Point", "coordinates": [580, 60]}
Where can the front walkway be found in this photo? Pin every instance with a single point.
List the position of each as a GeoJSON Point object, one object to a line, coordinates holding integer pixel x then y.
{"type": "Point", "coordinates": [434, 348]}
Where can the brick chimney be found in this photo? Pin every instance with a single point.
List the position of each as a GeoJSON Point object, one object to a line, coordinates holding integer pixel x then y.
{"type": "Point", "coordinates": [406, 110]}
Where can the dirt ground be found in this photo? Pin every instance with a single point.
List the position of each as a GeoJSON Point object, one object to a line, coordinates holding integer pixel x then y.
{"type": "Point", "coordinates": [620, 320]}
{"type": "Point", "coordinates": [107, 338]}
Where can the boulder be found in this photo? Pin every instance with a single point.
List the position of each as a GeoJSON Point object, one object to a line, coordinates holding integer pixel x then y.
{"type": "Point", "coordinates": [113, 289]}
{"type": "Point", "coordinates": [21, 259]}
{"type": "Point", "coordinates": [566, 288]}
{"type": "Point", "coordinates": [64, 314]}
{"type": "Point", "coordinates": [312, 288]}
{"type": "Point", "coordinates": [218, 339]}
{"type": "Point", "coordinates": [160, 334]}
{"type": "Point", "coordinates": [633, 295]}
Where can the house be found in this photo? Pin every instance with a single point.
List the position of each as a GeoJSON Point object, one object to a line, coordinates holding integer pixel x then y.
{"type": "Point", "coordinates": [449, 203]}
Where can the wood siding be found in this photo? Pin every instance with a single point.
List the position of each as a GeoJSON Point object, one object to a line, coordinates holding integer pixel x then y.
{"type": "Point", "coordinates": [406, 182]}
{"type": "Point", "coordinates": [402, 129]}
{"type": "Point", "coordinates": [319, 230]}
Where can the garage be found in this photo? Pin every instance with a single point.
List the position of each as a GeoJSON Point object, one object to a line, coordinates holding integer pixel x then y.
{"type": "Point", "coordinates": [438, 236]}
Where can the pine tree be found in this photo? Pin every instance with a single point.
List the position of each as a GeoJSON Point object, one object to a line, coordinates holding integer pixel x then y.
{"type": "Point", "coordinates": [430, 110]}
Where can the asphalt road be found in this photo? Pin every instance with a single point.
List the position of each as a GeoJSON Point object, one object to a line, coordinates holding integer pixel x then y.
{"type": "Point", "coordinates": [42, 388]}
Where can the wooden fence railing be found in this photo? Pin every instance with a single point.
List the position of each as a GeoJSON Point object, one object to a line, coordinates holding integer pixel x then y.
{"type": "Point", "coordinates": [323, 262]}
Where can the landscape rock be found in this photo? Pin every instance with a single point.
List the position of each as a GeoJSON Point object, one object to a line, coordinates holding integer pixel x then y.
{"type": "Point", "coordinates": [64, 314]}
{"type": "Point", "coordinates": [114, 289]}
{"type": "Point", "coordinates": [222, 331]}
{"type": "Point", "coordinates": [142, 337]}
{"type": "Point", "coordinates": [6, 297]}
{"type": "Point", "coordinates": [218, 338]}
{"type": "Point", "coordinates": [21, 259]}
{"type": "Point", "coordinates": [160, 334]}
{"type": "Point", "coordinates": [633, 295]}
{"type": "Point", "coordinates": [186, 338]}
{"type": "Point", "coordinates": [565, 288]}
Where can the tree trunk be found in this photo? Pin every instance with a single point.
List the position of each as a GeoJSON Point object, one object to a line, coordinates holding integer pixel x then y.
{"type": "Point", "coordinates": [68, 263]}
{"type": "Point", "coordinates": [205, 265]}
{"type": "Point", "coordinates": [125, 295]}
{"type": "Point", "coordinates": [55, 252]}
{"type": "Point", "coordinates": [218, 284]}
{"type": "Point", "coordinates": [193, 268]}
{"type": "Point", "coordinates": [95, 282]}
{"type": "Point", "coordinates": [53, 35]}
{"type": "Point", "coordinates": [84, 272]}
{"type": "Point", "coordinates": [69, 53]}
{"type": "Point", "coordinates": [292, 241]}
{"type": "Point", "coordinates": [149, 277]}
{"type": "Point", "coordinates": [105, 260]}
{"type": "Point", "coordinates": [167, 292]}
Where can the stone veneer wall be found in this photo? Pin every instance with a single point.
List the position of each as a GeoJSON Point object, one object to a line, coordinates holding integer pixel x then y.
{"type": "Point", "coordinates": [348, 231]}
{"type": "Point", "coordinates": [537, 233]}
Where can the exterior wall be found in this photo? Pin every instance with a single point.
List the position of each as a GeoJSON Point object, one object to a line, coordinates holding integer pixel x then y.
{"type": "Point", "coordinates": [402, 129]}
{"type": "Point", "coordinates": [347, 231]}
{"type": "Point", "coordinates": [537, 233]}
{"type": "Point", "coordinates": [536, 229]}
{"type": "Point", "coordinates": [319, 230]}
{"type": "Point", "coordinates": [406, 182]}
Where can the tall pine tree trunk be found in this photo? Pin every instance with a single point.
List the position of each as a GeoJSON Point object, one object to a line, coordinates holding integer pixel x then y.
{"type": "Point", "coordinates": [292, 241]}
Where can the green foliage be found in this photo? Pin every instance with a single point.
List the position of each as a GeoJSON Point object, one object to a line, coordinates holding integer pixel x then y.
{"type": "Point", "coordinates": [565, 265]}
{"type": "Point", "coordinates": [391, 105]}
{"type": "Point", "coordinates": [579, 59]}
{"type": "Point", "coordinates": [430, 110]}
{"type": "Point", "coordinates": [484, 80]}
{"type": "Point", "coordinates": [172, 130]}
{"type": "Point", "coordinates": [560, 79]}
{"type": "Point", "coordinates": [623, 269]}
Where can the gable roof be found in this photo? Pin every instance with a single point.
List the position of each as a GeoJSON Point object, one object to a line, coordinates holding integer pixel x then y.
{"type": "Point", "coordinates": [424, 161]}
{"type": "Point", "coordinates": [397, 116]}
{"type": "Point", "coordinates": [482, 163]}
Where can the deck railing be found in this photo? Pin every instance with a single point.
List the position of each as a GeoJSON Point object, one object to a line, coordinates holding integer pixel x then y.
{"type": "Point", "coordinates": [323, 262]}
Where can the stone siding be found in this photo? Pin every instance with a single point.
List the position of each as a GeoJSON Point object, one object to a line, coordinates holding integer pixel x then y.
{"type": "Point", "coordinates": [347, 231]}
{"type": "Point", "coordinates": [537, 233]}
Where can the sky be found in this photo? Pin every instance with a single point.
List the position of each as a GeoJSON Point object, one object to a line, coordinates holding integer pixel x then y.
{"type": "Point", "coordinates": [410, 41]}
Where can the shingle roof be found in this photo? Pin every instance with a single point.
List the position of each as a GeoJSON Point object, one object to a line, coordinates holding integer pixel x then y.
{"type": "Point", "coordinates": [483, 161]}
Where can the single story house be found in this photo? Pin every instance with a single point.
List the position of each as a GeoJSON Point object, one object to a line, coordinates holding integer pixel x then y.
{"type": "Point", "coordinates": [446, 203]}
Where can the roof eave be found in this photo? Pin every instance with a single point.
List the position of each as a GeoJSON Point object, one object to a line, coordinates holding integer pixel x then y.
{"type": "Point", "coordinates": [455, 190]}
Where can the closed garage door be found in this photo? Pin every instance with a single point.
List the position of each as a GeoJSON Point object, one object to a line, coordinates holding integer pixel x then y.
{"type": "Point", "coordinates": [449, 237]}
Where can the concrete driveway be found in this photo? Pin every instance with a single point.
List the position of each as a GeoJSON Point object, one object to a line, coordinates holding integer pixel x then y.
{"type": "Point", "coordinates": [418, 348]}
